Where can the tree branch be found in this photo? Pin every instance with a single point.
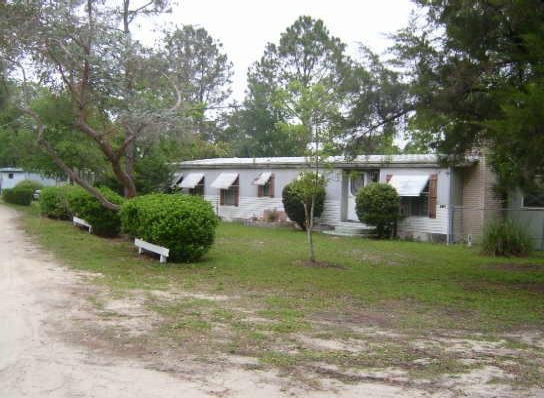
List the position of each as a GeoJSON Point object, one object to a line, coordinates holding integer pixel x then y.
{"type": "Point", "coordinates": [46, 145]}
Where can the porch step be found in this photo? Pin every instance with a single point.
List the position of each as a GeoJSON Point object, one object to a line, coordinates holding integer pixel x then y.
{"type": "Point", "coordinates": [351, 229]}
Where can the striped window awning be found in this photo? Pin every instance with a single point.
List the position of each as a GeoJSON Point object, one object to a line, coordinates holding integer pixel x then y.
{"type": "Point", "coordinates": [263, 178]}
{"type": "Point", "coordinates": [224, 180]}
{"type": "Point", "coordinates": [409, 185]}
{"type": "Point", "coordinates": [177, 179]}
{"type": "Point", "coordinates": [192, 180]}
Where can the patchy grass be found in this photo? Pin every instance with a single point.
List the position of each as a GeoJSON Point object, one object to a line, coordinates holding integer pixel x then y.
{"type": "Point", "coordinates": [254, 295]}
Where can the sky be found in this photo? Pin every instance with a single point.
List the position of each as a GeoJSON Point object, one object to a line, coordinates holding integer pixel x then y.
{"type": "Point", "coordinates": [244, 27]}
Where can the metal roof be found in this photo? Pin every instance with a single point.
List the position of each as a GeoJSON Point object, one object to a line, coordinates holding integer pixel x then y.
{"type": "Point", "coordinates": [339, 161]}
{"type": "Point", "coordinates": [11, 170]}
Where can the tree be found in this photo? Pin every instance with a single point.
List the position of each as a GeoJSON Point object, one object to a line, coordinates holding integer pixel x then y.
{"type": "Point", "coordinates": [297, 85]}
{"type": "Point", "coordinates": [306, 194]}
{"type": "Point", "coordinates": [77, 49]}
{"type": "Point", "coordinates": [253, 129]}
{"type": "Point", "coordinates": [477, 74]}
{"type": "Point", "coordinates": [377, 106]}
{"type": "Point", "coordinates": [297, 198]}
{"type": "Point", "coordinates": [202, 73]}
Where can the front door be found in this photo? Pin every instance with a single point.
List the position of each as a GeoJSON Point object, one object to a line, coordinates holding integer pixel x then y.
{"type": "Point", "coordinates": [356, 181]}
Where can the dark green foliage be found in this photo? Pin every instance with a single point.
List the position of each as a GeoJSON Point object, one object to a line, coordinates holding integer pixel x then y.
{"type": "Point", "coordinates": [506, 238]}
{"type": "Point", "coordinates": [54, 202]}
{"type": "Point", "coordinates": [295, 194]}
{"type": "Point", "coordinates": [18, 196]}
{"type": "Point", "coordinates": [182, 223]}
{"type": "Point", "coordinates": [22, 193]}
{"type": "Point", "coordinates": [377, 204]}
{"type": "Point", "coordinates": [105, 222]}
{"type": "Point", "coordinates": [30, 184]}
{"type": "Point", "coordinates": [479, 82]}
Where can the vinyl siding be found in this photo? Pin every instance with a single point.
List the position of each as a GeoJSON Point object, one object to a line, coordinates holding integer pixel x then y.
{"type": "Point", "coordinates": [480, 204]}
{"type": "Point", "coordinates": [419, 228]}
{"type": "Point", "coordinates": [532, 219]}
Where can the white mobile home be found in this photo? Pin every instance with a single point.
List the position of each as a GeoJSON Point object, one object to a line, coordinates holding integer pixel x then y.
{"type": "Point", "coordinates": [11, 176]}
{"type": "Point", "coordinates": [435, 199]}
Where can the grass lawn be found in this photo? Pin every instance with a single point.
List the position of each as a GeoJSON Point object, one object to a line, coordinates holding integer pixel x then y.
{"type": "Point", "coordinates": [255, 295]}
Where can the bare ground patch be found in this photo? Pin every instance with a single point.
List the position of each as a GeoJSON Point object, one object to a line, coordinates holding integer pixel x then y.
{"type": "Point", "coordinates": [196, 334]}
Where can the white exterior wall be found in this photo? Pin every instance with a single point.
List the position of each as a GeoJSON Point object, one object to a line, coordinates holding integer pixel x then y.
{"type": "Point", "coordinates": [19, 175]}
{"type": "Point", "coordinates": [249, 204]}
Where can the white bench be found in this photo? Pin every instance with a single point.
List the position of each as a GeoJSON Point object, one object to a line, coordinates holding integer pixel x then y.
{"type": "Point", "coordinates": [80, 222]}
{"type": "Point", "coordinates": [143, 245]}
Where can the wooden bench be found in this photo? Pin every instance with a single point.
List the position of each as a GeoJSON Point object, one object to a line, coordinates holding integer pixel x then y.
{"type": "Point", "coordinates": [80, 222]}
{"type": "Point", "coordinates": [161, 251]}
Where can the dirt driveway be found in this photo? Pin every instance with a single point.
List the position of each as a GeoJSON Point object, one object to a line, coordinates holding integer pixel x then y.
{"type": "Point", "coordinates": [38, 296]}
{"type": "Point", "coordinates": [45, 352]}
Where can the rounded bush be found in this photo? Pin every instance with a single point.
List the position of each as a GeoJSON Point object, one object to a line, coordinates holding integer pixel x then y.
{"type": "Point", "coordinates": [18, 195]}
{"type": "Point", "coordinates": [105, 222]}
{"type": "Point", "coordinates": [300, 191]}
{"type": "Point", "coordinates": [54, 202]}
{"type": "Point", "coordinates": [30, 184]}
{"type": "Point", "coordinates": [182, 223]}
{"type": "Point", "coordinates": [377, 204]}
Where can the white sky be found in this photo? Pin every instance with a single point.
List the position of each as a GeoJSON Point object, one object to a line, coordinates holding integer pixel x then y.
{"type": "Point", "coordinates": [245, 26]}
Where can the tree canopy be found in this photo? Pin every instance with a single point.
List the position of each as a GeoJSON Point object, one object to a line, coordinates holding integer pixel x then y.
{"type": "Point", "coordinates": [306, 84]}
{"type": "Point", "coordinates": [122, 97]}
{"type": "Point", "coordinates": [477, 74]}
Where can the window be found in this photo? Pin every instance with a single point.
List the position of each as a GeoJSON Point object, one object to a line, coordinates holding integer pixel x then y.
{"type": "Point", "coordinates": [415, 206]}
{"type": "Point", "coordinates": [422, 205]}
{"type": "Point", "coordinates": [534, 199]}
{"type": "Point", "coordinates": [356, 182]}
{"type": "Point", "coordinates": [198, 189]}
{"type": "Point", "coordinates": [231, 195]}
{"type": "Point", "coordinates": [10, 176]}
{"type": "Point", "coordinates": [265, 185]}
{"type": "Point", "coordinates": [373, 176]}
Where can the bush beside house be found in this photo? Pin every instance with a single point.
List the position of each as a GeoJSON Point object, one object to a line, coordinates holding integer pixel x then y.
{"type": "Point", "coordinates": [506, 238]}
{"type": "Point", "coordinates": [377, 204]}
{"type": "Point", "coordinates": [294, 196]}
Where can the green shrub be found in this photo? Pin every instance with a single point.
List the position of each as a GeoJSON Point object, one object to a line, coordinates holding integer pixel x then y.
{"type": "Point", "coordinates": [377, 204]}
{"type": "Point", "coordinates": [18, 195]}
{"type": "Point", "coordinates": [506, 238]}
{"type": "Point", "coordinates": [105, 222]}
{"type": "Point", "coordinates": [296, 193]}
{"type": "Point", "coordinates": [182, 223]}
{"type": "Point", "coordinates": [54, 202]}
{"type": "Point", "coordinates": [30, 184]}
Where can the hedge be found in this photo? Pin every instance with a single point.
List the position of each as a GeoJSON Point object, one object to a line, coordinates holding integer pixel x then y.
{"type": "Point", "coordinates": [184, 224]}
{"type": "Point", "coordinates": [54, 202]}
{"type": "Point", "coordinates": [30, 184]}
{"type": "Point", "coordinates": [105, 222]}
{"type": "Point", "coordinates": [22, 193]}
